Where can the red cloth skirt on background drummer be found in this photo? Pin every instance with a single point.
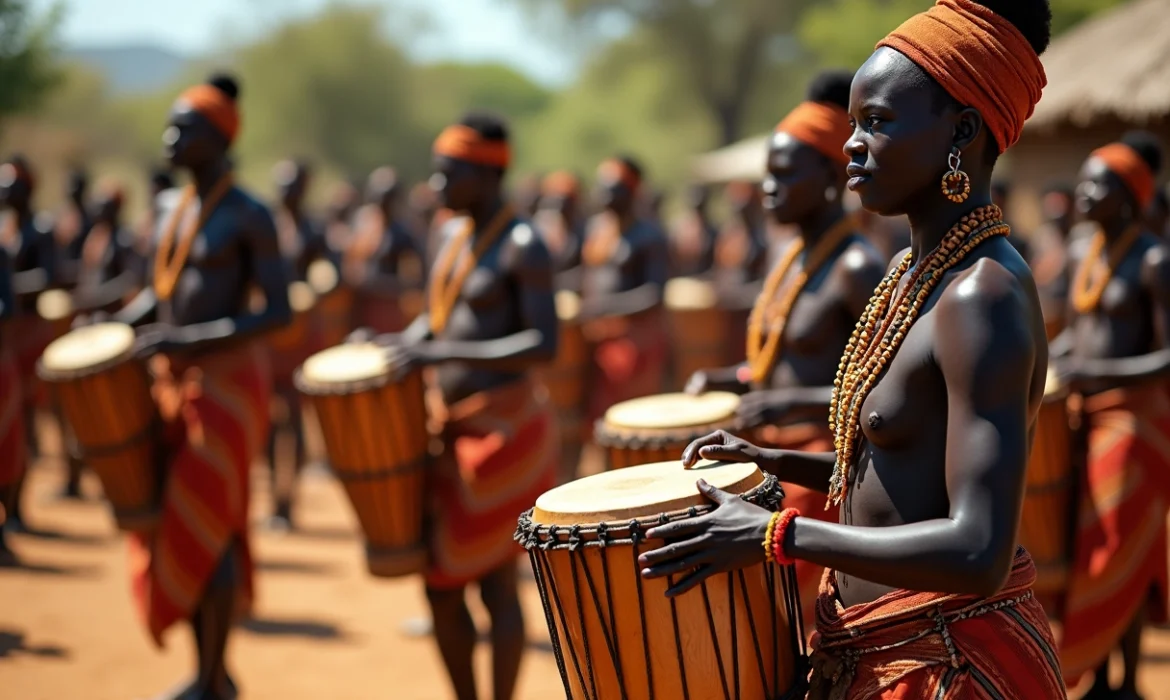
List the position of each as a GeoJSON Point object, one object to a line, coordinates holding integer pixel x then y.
{"type": "Point", "coordinates": [13, 450]}
{"type": "Point", "coordinates": [628, 361]}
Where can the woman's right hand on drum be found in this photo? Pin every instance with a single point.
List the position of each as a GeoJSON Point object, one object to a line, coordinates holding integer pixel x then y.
{"type": "Point", "coordinates": [720, 446]}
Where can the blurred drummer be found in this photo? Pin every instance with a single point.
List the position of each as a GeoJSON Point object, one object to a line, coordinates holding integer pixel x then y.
{"type": "Point", "coordinates": [741, 250]}
{"type": "Point", "coordinates": [13, 449]}
{"type": "Point", "coordinates": [107, 273]}
{"type": "Point", "coordinates": [215, 242]}
{"type": "Point", "coordinates": [1049, 261]}
{"type": "Point", "coordinates": [692, 240]}
{"type": "Point", "coordinates": [490, 319]}
{"type": "Point", "coordinates": [625, 264]}
{"type": "Point", "coordinates": [301, 243]}
{"type": "Point", "coordinates": [928, 594]}
{"type": "Point", "coordinates": [819, 283]}
{"type": "Point", "coordinates": [559, 220]}
{"type": "Point", "coordinates": [382, 262]}
{"type": "Point", "coordinates": [33, 253]}
{"type": "Point", "coordinates": [1116, 352]}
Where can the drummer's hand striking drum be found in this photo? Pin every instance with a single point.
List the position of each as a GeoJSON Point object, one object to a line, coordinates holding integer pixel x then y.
{"type": "Point", "coordinates": [698, 327]}
{"type": "Point", "coordinates": [617, 635]}
{"type": "Point", "coordinates": [658, 428]}
{"type": "Point", "coordinates": [376, 438]}
{"type": "Point", "coordinates": [104, 395]}
{"type": "Point", "coordinates": [1047, 520]}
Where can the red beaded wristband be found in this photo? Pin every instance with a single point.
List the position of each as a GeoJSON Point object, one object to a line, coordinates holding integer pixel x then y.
{"type": "Point", "coordinates": [781, 528]}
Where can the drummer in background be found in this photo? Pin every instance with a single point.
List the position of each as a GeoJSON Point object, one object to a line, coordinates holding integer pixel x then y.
{"type": "Point", "coordinates": [107, 274]}
{"type": "Point", "coordinates": [382, 261]}
{"type": "Point", "coordinates": [1116, 352]}
{"type": "Point", "coordinates": [559, 221]}
{"type": "Point", "coordinates": [526, 195]}
{"type": "Point", "coordinates": [160, 180]}
{"type": "Point", "coordinates": [928, 593]}
{"type": "Point", "coordinates": [1049, 261]}
{"type": "Point", "coordinates": [343, 202]}
{"type": "Point", "coordinates": [623, 277]}
{"type": "Point", "coordinates": [692, 242]}
{"type": "Point", "coordinates": [32, 250]}
{"type": "Point", "coordinates": [490, 319]}
{"type": "Point", "coordinates": [1001, 191]}
{"type": "Point", "coordinates": [741, 249]}
{"type": "Point", "coordinates": [71, 227]}
{"type": "Point", "coordinates": [1158, 215]}
{"type": "Point", "coordinates": [211, 382]}
{"type": "Point", "coordinates": [13, 449]}
{"type": "Point", "coordinates": [301, 243]}
{"type": "Point", "coordinates": [818, 285]}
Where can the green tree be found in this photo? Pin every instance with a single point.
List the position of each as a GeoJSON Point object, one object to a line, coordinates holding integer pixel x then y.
{"type": "Point", "coordinates": [27, 48]}
{"type": "Point", "coordinates": [721, 48]}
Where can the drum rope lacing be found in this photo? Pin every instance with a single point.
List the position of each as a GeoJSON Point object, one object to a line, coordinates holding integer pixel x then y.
{"type": "Point", "coordinates": [539, 539]}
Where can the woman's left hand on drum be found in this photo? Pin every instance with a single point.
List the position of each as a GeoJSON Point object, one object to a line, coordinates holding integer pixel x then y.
{"type": "Point", "coordinates": [728, 538]}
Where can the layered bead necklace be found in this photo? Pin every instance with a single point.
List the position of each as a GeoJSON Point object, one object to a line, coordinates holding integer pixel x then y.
{"type": "Point", "coordinates": [885, 324]}
{"type": "Point", "coordinates": [772, 312]}
{"type": "Point", "coordinates": [167, 267]}
{"type": "Point", "coordinates": [1090, 282]}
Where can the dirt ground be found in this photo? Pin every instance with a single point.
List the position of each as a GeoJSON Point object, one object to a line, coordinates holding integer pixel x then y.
{"type": "Point", "coordinates": [322, 627]}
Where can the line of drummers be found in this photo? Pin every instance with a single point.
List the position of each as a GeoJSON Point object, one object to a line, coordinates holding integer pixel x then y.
{"type": "Point", "coordinates": [633, 312]}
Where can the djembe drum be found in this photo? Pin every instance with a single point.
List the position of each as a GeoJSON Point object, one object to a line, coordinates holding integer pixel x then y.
{"type": "Point", "coordinates": [56, 307]}
{"type": "Point", "coordinates": [104, 396]}
{"type": "Point", "coordinates": [698, 326]}
{"type": "Point", "coordinates": [1047, 520]}
{"type": "Point", "coordinates": [617, 635]}
{"type": "Point", "coordinates": [292, 344]}
{"type": "Point", "coordinates": [658, 428]}
{"type": "Point", "coordinates": [376, 438]}
{"type": "Point", "coordinates": [565, 378]}
{"type": "Point", "coordinates": [333, 318]}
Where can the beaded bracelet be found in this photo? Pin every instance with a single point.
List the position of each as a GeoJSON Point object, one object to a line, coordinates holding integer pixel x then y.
{"type": "Point", "coordinates": [780, 524]}
{"type": "Point", "coordinates": [768, 537]}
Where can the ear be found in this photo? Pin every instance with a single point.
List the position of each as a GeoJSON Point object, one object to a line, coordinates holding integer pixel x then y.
{"type": "Point", "coordinates": [968, 128]}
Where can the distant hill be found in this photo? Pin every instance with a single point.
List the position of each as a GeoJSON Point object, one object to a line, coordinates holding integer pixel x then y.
{"type": "Point", "coordinates": [132, 68]}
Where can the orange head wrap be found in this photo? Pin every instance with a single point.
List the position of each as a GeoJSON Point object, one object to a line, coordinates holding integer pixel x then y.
{"type": "Point", "coordinates": [561, 183]}
{"type": "Point", "coordinates": [217, 106]}
{"type": "Point", "coordinates": [465, 143]}
{"type": "Point", "coordinates": [822, 126]}
{"type": "Point", "coordinates": [1125, 163]}
{"type": "Point", "coordinates": [613, 170]}
{"type": "Point", "coordinates": [980, 59]}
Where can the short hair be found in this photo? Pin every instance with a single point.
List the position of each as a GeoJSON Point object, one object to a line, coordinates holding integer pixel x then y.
{"type": "Point", "coordinates": [161, 178]}
{"type": "Point", "coordinates": [225, 83]}
{"type": "Point", "coordinates": [831, 86]}
{"type": "Point", "coordinates": [1147, 146]}
{"type": "Point", "coordinates": [489, 126]}
{"type": "Point", "coordinates": [631, 163]}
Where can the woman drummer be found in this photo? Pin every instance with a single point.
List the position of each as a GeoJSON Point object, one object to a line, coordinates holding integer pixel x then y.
{"type": "Point", "coordinates": [819, 284]}
{"type": "Point", "coordinates": [928, 594]}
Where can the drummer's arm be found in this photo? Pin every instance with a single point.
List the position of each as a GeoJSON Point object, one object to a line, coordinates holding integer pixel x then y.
{"type": "Point", "coordinates": [1155, 365]}
{"type": "Point", "coordinates": [531, 266]}
{"type": "Point", "coordinates": [987, 359]}
{"type": "Point", "coordinates": [641, 298]}
{"type": "Point", "coordinates": [269, 272]}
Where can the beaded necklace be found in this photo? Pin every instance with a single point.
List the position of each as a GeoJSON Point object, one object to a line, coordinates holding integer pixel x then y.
{"type": "Point", "coordinates": [603, 240]}
{"type": "Point", "coordinates": [445, 286]}
{"type": "Point", "coordinates": [884, 325]}
{"type": "Point", "coordinates": [1087, 290]}
{"type": "Point", "coordinates": [167, 267]}
{"type": "Point", "coordinates": [761, 352]}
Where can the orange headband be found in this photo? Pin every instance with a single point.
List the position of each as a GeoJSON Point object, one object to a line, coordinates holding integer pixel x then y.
{"type": "Point", "coordinates": [980, 59]}
{"type": "Point", "coordinates": [1125, 163]}
{"type": "Point", "coordinates": [613, 170]}
{"type": "Point", "coordinates": [464, 143]}
{"type": "Point", "coordinates": [822, 126]}
{"type": "Point", "coordinates": [214, 104]}
{"type": "Point", "coordinates": [561, 183]}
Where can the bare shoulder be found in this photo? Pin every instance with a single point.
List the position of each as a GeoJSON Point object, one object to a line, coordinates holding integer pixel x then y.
{"type": "Point", "coordinates": [862, 259]}
{"type": "Point", "coordinates": [527, 247]}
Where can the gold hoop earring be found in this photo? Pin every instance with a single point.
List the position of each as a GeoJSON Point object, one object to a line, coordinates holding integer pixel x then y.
{"type": "Point", "coordinates": [956, 186]}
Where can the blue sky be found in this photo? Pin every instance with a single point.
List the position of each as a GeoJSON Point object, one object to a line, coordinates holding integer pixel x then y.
{"type": "Point", "coordinates": [471, 30]}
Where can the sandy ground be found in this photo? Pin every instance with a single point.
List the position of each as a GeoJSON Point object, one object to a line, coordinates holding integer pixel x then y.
{"type": "Point", "coordinates": [322, 627]}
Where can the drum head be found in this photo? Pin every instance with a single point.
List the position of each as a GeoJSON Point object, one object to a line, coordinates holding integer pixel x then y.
{"type": "Point", "coordinates": [322, 276]}
{"type": "Point", "coordinates": [638, 492]}
{"type": "Point", "coordinates": [54, 305]}
{"type": "Point", "coordinates": [301, 297]}
{"type": "Point", "coordinates": [688, 293]}
{"type": "Point", "coordinates": [669, 411]}
{"type": "Point", "coordinates": [344, 364]}
{"type": "Point", "coordinates": [1052, 385]}
{"type": "Point", "coordinates": [89, 346]}
{"type": "Point", "coordinates": [568, 305]}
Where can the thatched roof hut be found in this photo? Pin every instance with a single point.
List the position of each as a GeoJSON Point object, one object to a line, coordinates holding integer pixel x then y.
{"type": "Point", "coordinates": [1105, 76]}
